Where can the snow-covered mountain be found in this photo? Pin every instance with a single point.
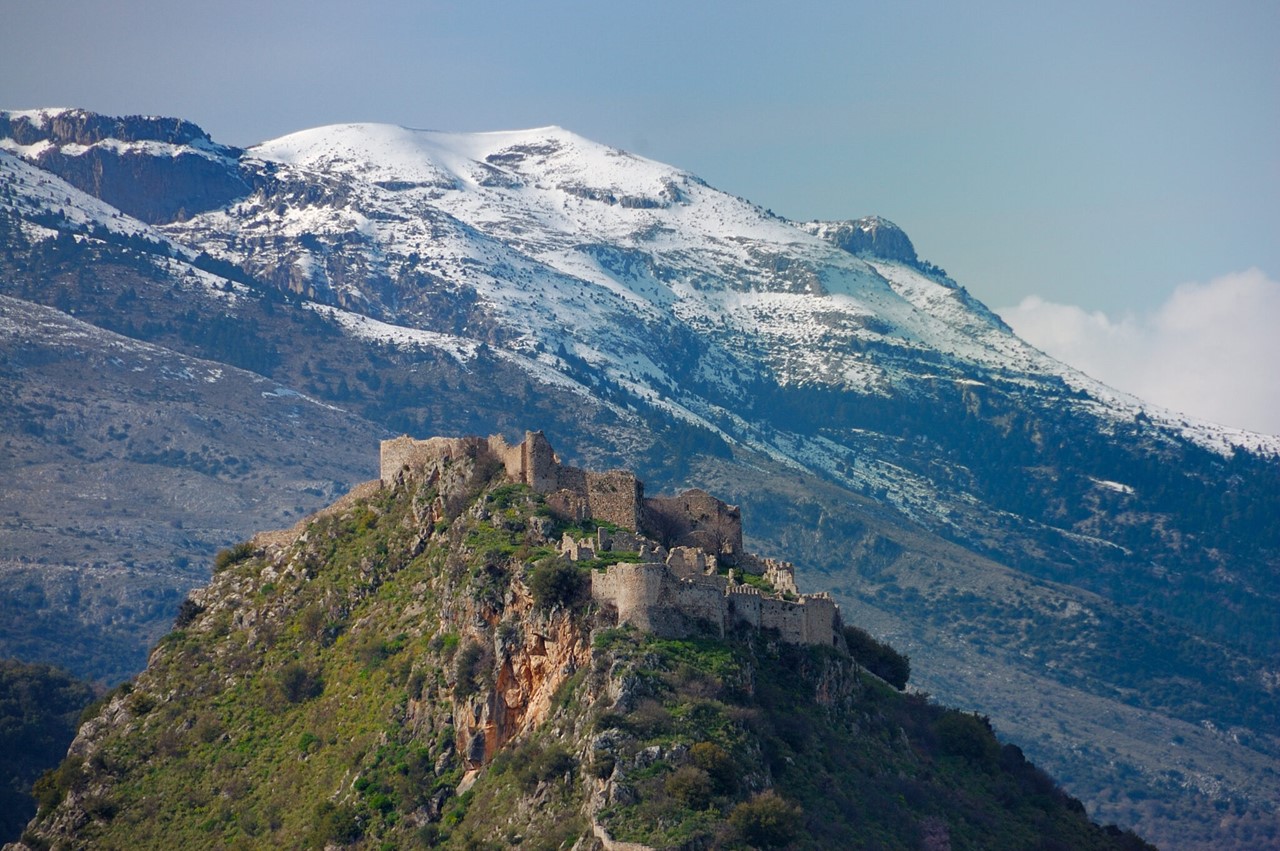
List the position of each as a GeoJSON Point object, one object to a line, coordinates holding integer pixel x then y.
{"type": "Point", "coordinates": [869, 413]}
{"type": "Point", "coordinates": [567, 242]}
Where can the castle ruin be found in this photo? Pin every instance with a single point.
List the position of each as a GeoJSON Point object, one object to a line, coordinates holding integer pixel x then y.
{"type": "Point", "coordinates": [615, 497]}
{"type": "Point", "coordinates": [684, 561]}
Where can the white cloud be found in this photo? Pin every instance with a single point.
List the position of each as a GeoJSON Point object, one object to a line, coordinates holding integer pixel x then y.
{"type": "Point", "coordinates": [1211, 350]}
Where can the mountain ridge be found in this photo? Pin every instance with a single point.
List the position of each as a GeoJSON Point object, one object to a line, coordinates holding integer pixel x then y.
{"type": "Point", "coordinates": [854, 402]}
{"type": "Point", "coordinates": [493, 144]}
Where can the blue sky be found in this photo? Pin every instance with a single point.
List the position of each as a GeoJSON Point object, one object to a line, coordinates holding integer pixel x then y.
{"type": "Point", "coordinates": [1097, 155]}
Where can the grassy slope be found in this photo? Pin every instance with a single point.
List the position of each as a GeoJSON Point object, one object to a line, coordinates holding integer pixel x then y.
{"type": "Point", "coordinates": [310, 699]}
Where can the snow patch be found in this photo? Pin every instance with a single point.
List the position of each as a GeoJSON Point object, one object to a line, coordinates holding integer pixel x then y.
{"type": "Point", "coordinates": [1117, 487]}
{"type": "Point", "coordinates": [459, 348]}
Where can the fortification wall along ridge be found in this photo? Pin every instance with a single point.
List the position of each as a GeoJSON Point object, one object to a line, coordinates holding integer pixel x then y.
{"type": "Point", "coordinates": [677, 589]}
{"type": "Point", "coordinates": [653, 598]}
{"type": "Point", "coordinates": [616, 496]}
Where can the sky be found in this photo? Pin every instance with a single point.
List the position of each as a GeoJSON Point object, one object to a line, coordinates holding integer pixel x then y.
{"type": "Point", "coordinates": [1076, 166]}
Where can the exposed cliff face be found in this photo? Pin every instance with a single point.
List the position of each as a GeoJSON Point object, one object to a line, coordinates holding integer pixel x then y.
{"type": "Point", "coordinates": [871, 236]}
{"type": "Point", "coordinates": [180, 187]}
{"type": "Point", "coordinates": [123, 161]}
{"type": "Point", "coordinates": [81, 127]}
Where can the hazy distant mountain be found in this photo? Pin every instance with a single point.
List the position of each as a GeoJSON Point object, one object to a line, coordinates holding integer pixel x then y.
{"type": "Point", "coordinates": [1097, 575]}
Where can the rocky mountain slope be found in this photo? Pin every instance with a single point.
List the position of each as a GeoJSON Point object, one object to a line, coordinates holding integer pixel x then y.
{"type": "Point", "coordinates": [1091, 572]}
{"type": "Point", "coordinates": [419, 668]}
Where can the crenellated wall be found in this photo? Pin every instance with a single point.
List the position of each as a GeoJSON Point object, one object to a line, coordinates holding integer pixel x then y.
{"type": "Point", "coordinates": [742, 605]}
{"type": "Point", "coordinates": [405, 456]}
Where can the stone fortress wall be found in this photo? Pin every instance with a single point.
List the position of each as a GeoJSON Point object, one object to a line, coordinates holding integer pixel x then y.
{"type": "Point", "coordinates": [677, 588]}
{"type": "Point", "coordinates": [616, 496]}
{"type": "Point", "coordinates": [653, 597]}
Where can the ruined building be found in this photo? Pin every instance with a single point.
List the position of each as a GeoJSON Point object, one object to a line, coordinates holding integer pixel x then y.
{"type": "Point", "coordinates": [681, 563]}
{"type": "Point", "coordinates": [615, 497]}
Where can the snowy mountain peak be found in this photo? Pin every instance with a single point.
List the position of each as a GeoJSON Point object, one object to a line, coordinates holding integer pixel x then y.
{"type": "Point", "coordinates": [540, 240]}
{"type": "Point", "coordinates": [82, 129]}
{"type": "Point", "coordinates": [871, 236]}
{"type": "Point", "coordinates": [404, 158]}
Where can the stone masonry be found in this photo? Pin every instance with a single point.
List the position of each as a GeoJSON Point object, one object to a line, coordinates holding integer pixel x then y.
{"type": "Point", "coordinates": [674, 602]}
{"type": "Point", "coordinates": [672, 584]}
{"type": "Point", "coordinates": [616, 496]}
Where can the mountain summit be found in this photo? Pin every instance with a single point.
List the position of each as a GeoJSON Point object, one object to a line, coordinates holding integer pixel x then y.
{"type": "Point", "coordinates": [870, 235]}
{"type": "Point", "coordinates": [224, 323]}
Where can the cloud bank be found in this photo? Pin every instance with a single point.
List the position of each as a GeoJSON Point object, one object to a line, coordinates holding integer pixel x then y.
{"type": "Point", "coordinates": [1211, 350]}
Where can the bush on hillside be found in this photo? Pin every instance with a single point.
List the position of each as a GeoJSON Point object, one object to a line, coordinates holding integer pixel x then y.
{"type": "Point", "coordinates": [558, 583]}
{"type": "Point", "coordinates": [766, 821]}
{"type": "Point", "coordinates": [298, 683]}
{"type": "Point", "coordinates": [231, 555]}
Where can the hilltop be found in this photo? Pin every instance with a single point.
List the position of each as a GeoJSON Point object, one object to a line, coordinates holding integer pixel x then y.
{"type": "Point", "coordinates": [436, 661]}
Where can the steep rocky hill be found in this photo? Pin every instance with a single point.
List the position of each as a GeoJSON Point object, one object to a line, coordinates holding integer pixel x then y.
{"type": "Point", "coordinates": [1097, 575]}
{"type": "Point", "coordinates": [419, 667]}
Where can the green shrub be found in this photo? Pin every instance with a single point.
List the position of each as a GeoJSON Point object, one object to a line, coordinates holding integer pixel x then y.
{"type": "Point", "coordinates": [207, 727]}
{"type": "Point", "coordinates": [140, 703]}
{"type": "Point", "coordinates": [188, 611]}
{"type": "Point", "coordinates": [468, 665]}
{"type": "Point", "coordinates": [372, 650]}
{"type": "Point", "coordinates": [416, 682]}
{"type": "Point", "coordinates": [312, 621]}
{"type": "Point", "coordinates": [381, 802]}
{"type": "Point", "coordinates": [555, 582]}
{"type": "Point", "coordinates": [534, 765]}
{"type": "Point", "coordinates": [34, 842]}
{"type": "Point", "coordinates": [100, 807]}
{"type": "Point", "coordinates": [689, 785]}
{"type": "Point", "coordinates": [554, 762]}
{"type": "Point", "coordinates": [334, 824]}
{"type": "Point", "coordinates": [718, 765]}
{"type": "Point", "coordinates": [298, 683]}
{"type": "Point", "coordinates": [54, 784]}
{"type": "Point", "coordinates": [967, 736]}
{"type": "Point", "coordinates": [766, 821]}
{"type": "Point", "coordinates": [602, 765]}
{"type": "Point", "coordinates": [649, 718]}
{"type": "Point", "coordinates": [444, 642]}
{"type": "Point", "coordinates": [225, 558]}
{"type": "Point", "coordinates": [504, 496]}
